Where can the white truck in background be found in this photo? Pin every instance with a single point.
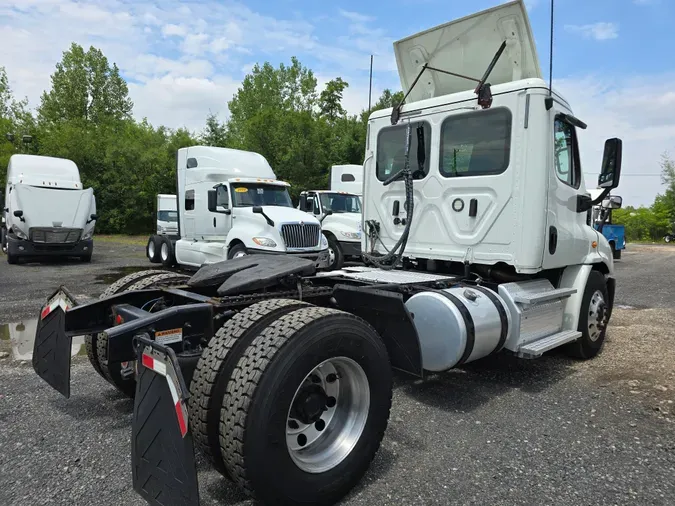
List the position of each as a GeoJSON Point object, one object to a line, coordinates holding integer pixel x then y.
{"type": "Point", "coordinates": [46, 210]}
{"type": "Point", "coordinates": [161, 244]}
{"type": "Point", "coordinates": [339, 211]}
{"type": "Point", "coordinates": [347, 178]}
{"type": "Point", "coordinates": [230, 204]}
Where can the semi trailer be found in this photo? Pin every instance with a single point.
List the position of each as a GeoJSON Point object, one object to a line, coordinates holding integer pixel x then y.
{"type": "Point", "coordinates": [46, 210]}
{"type": "Point", "coordinates": [476, 243]}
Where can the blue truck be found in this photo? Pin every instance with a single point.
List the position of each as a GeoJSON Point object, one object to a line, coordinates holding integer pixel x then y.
{"type": "Point", "coordinates": [615, 234]}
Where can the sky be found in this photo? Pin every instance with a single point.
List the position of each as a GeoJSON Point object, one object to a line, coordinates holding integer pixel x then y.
{"type": "Point", "coordinates": [185, 59]}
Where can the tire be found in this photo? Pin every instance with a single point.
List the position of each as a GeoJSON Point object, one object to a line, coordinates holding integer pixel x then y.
{"type": "Point", "coordinates": [152, 249]}
{"type": "Point", "coordinates": [616, 254]}
{"type": "Point", "coordinates": [86, 258]}
{"type": "Point", "coordinates": [668, 238]}
{"type": "Point", "coordinates": [166, 254]}
{"type": "Point", "coordinates": [593, 318]}
{"type": "Point", "coordinates": [12, 259]}
{"type": "Point", "coordinates": [215, 367]}
{"type": "Point", "coordinates": [238, 250]}
{"type": "Point", "coordinates": [336, 254]}
{"type": "Point", "coordinates": [255, 414]}
{"type": "Point", "coordinates": [3, 239]}
{"type": "Point", "coordinates": [114, 373]}
{"type": "Point", "coordinates": [116, 287]}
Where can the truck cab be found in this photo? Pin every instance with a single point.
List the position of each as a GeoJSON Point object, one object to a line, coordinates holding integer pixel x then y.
{"type": "Point", "coordinates": [497, 179]}
{"type": "Point", "coordinates": [231, 204]}
{"type": "Point", "coordinates": [340, 216]}
{"type": "Point", "coordinates": [47, 212]}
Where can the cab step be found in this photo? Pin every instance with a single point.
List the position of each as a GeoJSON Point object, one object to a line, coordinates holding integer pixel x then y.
{"type": "Point", "coordinates": [537, 297]}
{"type": "Point", "coordinates": [540, 346]}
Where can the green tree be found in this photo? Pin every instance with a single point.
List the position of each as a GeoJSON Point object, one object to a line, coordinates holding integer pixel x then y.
{"type": "Point", "coordinates": [215, 132]}
{"type": "Point", "coordinates": [330, 100]}
{"type": "Point", "coordinates": [85, 87]}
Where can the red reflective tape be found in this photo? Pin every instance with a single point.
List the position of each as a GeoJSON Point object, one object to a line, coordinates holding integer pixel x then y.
{"type": "Point", "coordinates": [148, 361]}
{"type": "Point", "coordinates": [181, 419]}
{"type": "Point", "coordinates": [45, 312]}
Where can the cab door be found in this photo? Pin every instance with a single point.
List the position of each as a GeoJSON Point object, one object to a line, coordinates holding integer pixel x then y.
{"type": "Point", "coordinates": [220, 223]}
{"type": "Point", "coordinates": [566, 241]}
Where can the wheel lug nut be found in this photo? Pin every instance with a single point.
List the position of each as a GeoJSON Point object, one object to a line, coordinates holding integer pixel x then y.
{"type": "Point", "coordinates": [320, 425]}
{"type": "Point", "coordinates": [331, 401]}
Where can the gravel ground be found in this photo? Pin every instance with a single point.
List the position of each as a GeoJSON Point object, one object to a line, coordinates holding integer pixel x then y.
{"type": "Point", "coordinates": [500, 431]}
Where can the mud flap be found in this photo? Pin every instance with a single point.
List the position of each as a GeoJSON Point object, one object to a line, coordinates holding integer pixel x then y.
{"type": "Point", "coordinates": [52, 347]}
{"type": "Point", "coordinates": [162, 452]}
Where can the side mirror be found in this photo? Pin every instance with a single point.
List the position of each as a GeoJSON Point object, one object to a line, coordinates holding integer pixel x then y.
{"type": "Point", "coordinates": [212, 198]}
{"type": "Point", "coordinates": [611, 164]}
{"type": "Point", "coordinates": [93, 217]}
{"type": "Point", "coordinates": [303, 202]}
{"type": "Point", "coordinates": [18, 214]}
{"type": "Point", "coordinates": [325, 215]}
{"type": "Point", "coordinates": [613, 202]}
{"type": "Point", "coordinates": [257, 210]}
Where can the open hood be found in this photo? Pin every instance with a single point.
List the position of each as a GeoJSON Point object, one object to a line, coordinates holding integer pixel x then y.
{"type": "Point", "coordinates": [466, 46]}
{"type": "Point", "coordinates": [47, 207]}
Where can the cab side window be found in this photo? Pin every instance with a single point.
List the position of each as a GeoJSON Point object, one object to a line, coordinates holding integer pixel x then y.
{"type": "Point", "coordinates": [189, 200]}
{"type": "Point", "coordinates": [222, 197]}
{"type": "Point", "coordinates": [566, 154]}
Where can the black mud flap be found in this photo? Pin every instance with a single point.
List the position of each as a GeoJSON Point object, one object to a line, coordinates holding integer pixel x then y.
{"type": "Point", "coordinates": [52, 347]}
{"type": "Point", "coordinates": [162, 452]}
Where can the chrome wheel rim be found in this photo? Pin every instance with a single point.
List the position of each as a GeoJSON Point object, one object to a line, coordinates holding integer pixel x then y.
{"type": "Point", "coordinates": [327, 415]}
{"type": "Point", "coordinates": [239, 254]}
{"type": "Point", "coordinates": [331, 255]}
{"type": "Point", "coordinates": [596, 315]}
{"type": "Point", "coordinates": [165, 251]}
{"type": "Point", "coordinates": [151, 249]}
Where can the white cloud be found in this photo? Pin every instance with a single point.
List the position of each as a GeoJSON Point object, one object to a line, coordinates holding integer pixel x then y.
{"type": "Point", "coordinates": [598, 31]}
{"type": "Point", "coordinates": [171, 30]}
{"type": "Point", "coordinates": [637, 111]}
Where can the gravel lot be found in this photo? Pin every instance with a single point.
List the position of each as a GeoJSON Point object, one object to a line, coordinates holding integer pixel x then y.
{"type": "Point", "coordinates": [502, 431]}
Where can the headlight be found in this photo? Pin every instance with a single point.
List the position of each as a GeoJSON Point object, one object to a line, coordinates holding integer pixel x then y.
{"type": "Point", "coordinates": [19, 233]}
{"type": "Point", "coordinates": [87, 235]}
{"type": "Point", "coordinates": [351, 235]}
{"type": "Point", "coordinates": [264, 241]}
{"type": "Point", "coordinates": [324, 241]}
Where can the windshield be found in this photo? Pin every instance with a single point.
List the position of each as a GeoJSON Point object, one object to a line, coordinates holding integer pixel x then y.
{"type": "Point", "coordinates": [167, 215]}
{"type": "Point", "coordinates": [341, 203]}
{"type": "Point", "coordinates": [255, 194]}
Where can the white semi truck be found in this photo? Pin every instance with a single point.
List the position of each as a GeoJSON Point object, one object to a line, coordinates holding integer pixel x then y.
{"type": "Point", "coordinates": [477, 244]}
{"type": "Point", "coordinates": [230, 204]}
{"type": "Point", "coordinates": [161, 244]}
{"type": "Point", "coordinates": [339, 211]}
{"type": "Point", "coordinates": [46, 210]}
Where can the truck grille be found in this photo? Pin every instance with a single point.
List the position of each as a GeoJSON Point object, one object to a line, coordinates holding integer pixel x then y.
{"type": "Point", "coordinates": [55, 235]}
{"type": "Point", "coordinates": [296, 235]}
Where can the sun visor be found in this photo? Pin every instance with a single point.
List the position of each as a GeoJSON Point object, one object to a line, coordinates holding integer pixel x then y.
{"type": "Point", "coordinates": [466, 46]}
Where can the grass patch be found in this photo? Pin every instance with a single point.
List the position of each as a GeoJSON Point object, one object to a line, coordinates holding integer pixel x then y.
{"type": "Point", "coordinates": [136, 240]}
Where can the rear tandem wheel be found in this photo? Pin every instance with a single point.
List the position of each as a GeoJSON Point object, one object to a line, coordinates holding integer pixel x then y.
{"type": "Point", "coordinates": [97, 345]}
{"type": "Point", "coordinates": [306, 408]}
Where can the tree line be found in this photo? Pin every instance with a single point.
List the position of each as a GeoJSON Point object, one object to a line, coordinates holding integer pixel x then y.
{"type": "Point", "coordinates": [87, 116]}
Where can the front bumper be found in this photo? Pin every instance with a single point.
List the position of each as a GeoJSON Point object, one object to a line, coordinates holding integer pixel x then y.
{"type": "Point", "coordinates": [321, 258]}
{"type": "Point", "coordinates": [20, 247]}
{"type": "Point", "coordinates": [350, 248]}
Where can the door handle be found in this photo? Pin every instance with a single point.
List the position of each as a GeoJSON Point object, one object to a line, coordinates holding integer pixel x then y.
{"type": "Point", "coordinates": [214, 222]}
{"type": "Point", "coordinates": [552, 239]}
